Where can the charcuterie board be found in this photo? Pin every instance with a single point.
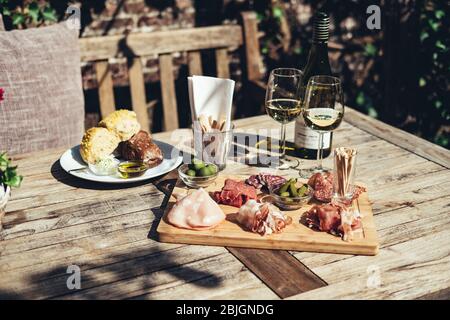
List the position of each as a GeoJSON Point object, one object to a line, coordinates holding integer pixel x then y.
{"type": "Point", "coordinates": [296, 236]}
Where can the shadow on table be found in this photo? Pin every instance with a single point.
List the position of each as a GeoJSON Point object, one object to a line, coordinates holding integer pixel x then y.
{"type": "Point", "coordinates": [128, 273]}
{"type": "Point", "coordinates": [62, 176]}
{"type": "Point", "coordinates": [257, 150]}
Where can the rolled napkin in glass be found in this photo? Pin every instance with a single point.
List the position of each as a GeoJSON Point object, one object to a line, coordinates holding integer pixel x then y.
{"type": "Point", "coordinates": [211, 101]}
{"type": "Point", "coordinates": [344, 174]}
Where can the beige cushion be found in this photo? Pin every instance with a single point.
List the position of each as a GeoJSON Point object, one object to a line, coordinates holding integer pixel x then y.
{"type": "Point", "coordinates": [43, 104]}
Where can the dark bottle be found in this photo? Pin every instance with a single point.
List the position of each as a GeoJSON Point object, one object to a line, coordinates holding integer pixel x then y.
{"type": "Point", "coordinates": [306, 139]}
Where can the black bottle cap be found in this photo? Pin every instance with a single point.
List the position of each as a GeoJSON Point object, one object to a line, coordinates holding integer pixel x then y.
{"type": "Point", "coordinates": [321, 27]}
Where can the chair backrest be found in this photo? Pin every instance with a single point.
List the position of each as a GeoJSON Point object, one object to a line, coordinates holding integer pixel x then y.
{"type": "Point", "coordinates": [136, 45]}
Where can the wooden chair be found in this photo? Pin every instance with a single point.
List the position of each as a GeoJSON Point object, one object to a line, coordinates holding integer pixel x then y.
{"type": "Point", "coordinates": [136, 45]}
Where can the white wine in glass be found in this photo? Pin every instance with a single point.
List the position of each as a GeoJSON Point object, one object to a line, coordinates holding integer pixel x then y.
{"type": "Point", "coordinates": [323, 112]}
{"type": "Point", "coordinates": [283, 104]}
{"type": "Point", "coordinates": [283, 110]}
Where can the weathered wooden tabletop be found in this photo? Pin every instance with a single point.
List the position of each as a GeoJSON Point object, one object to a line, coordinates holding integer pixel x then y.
{"type": "Point", "coordinates": [55, 220]}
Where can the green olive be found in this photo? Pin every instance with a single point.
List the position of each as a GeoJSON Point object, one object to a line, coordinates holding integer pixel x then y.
{"type": "Point", "coordinates": [212, 169]}
{"type": "Point", "coordinates": [284, 188]}
{"type": "Point", "coordinates": [293, 189]}
{"type": "Point", "coordinates": [204, 172]}
{"type": "Point", "coordinates": [198, 164]}
{"type": "Point", "coordinates": [191, 173]}
{"type": "Point", "coordinates": [302, 190]}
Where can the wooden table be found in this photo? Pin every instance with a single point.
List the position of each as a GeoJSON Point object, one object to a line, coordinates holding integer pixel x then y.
{"type": "Point", "coordinates": [55, 220]}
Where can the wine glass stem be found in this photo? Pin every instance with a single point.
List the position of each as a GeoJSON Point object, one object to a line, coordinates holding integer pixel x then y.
{"type": "Point", "coordinates": [283, 141]}
{"type": "Point", "coordinates": [320, 152]}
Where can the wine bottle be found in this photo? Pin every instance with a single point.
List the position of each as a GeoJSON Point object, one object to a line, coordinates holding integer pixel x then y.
{"type": "Point", "coordinates": [306, 139]}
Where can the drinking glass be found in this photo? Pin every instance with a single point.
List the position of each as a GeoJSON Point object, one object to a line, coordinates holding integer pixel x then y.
{"type": "Point", "coordinates": [283, 104]}
{"type": "Point", "coordinates": [323, 110]}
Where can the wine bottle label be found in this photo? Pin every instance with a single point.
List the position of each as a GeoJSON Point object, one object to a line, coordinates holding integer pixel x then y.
{"type": "Point", "coordinates": [308, 138]}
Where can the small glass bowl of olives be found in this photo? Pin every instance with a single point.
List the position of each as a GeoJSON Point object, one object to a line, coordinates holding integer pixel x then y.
{"type": "Point", "coordinates": [292, 195]}
{"type": "Point", "coordinates": [198, 174]}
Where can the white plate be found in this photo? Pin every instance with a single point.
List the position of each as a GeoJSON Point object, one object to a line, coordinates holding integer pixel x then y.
{"type": "Point", "coordinates": [71, 160]}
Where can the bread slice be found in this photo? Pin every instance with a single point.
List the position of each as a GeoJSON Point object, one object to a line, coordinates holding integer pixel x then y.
{"type": "Point", "coordinates": [98, 143]}
{"type": "Point", "coordinates": [123, 123]}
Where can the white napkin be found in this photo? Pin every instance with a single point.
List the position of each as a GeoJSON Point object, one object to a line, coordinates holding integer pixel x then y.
{"type": "Point", "coordinates": [211, 96]}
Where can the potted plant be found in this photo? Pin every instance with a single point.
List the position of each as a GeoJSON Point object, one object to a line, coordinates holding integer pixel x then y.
{"type": "Point", "coordinates": [8, 179]}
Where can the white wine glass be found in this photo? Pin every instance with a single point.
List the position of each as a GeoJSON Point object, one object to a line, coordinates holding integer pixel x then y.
{"type": "Point", "coordinates": [323, 110]}
{"type": "Point", "coordinates": [283, 104]}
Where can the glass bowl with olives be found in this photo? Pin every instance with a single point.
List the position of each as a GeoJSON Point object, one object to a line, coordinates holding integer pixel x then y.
{"type": "Point", "coordinates": [292, 195]}
{"type": "Point", "coordinates": [198, 174]}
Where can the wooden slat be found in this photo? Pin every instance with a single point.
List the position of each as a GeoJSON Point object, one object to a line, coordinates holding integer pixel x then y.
{"type": "Point", "coordinates": [252, 50]}
{"type": "Point", "coordinates": [2, 25]}
{"type": "Point", "coordinates": [105, 88]}
{"type": "Point", "coordinates": [168, 92]}
{"type": "Point", "coordinates": [222, 63]}
{"type": "Point", "coordinates": [141, 44]}
{"type": "Point", "coordinates": [401, 138]}
{"type": "Point", "coordinates": [138, 98]}
{"type": "Point", "coordinates": [195, 63]}
{"type": "Point", "coordinates": [279, 270]}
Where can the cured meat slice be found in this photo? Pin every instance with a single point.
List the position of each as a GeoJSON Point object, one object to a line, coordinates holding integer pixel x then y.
{"type": "Point", "coordinates": [270, 181]}
{"type": "Point", "coordinates": [335, 219]}
{"type": "Point", "coordinates": [235, 193]}
{"type": "Point", "coordinates": [322, 183]}
{"type": "Point", "coordinates": [262, 218]}
{"type": "Point", "coordinates": [196, 211]}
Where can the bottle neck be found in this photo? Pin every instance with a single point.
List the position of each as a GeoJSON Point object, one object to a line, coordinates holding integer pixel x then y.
{"type": "Point", "coordinates": [319, 50]}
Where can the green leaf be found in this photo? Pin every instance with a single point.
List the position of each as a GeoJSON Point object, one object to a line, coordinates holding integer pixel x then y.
{"type": "Point", "coordinates": [277, 12]}
{"type": "Point", "coordinates": [33, 11]}
{"type": "Point", "coordinates": [422, 82]}
{"type": "Point", "coordinates": [6, 11]}
{"type": "Point", "coordinates": [440, 45]}
{"type": "Point", "coordinates": [423, 35]}
{"type": "Point", "coordinates": [370, 50]}
{"type": "Point", "coordinates": [360, 99]}
{"type": "Point", "coordinates": [15, 181]}
{"type": "Point", "coordinates": [259, 17]}
{"type": "Point", "coordinates": [433, 24]}
{"type": "Point", "coordinates": [439, 14]}
{"type": "Point", "coordinates": [18, 19]}
{"type": "Point", "coordinates": [438, 104]}
{"type": "Point", "coordinates": [49, 14]}
{"type": "Point", "coordinates": [372, 112]}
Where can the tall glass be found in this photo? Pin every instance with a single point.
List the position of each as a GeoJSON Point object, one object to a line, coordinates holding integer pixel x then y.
{"type": "Point", "coordinates": [323, 110]}
{"type": "Point", "coordinates": [283, 104]}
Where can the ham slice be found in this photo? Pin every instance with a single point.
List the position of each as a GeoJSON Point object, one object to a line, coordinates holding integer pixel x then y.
{"type": "Point", "coordinates": [235, 193]}
{"type": "Point", "coordinates": [262, 218]}
{"type": "Point", "coordinates": [335, 219]}
{"type": "Point", "coordinates": [196, 211]}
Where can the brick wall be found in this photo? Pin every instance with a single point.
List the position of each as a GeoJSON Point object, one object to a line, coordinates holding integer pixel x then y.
{"type": "Point", "coordinates": [124, 16]}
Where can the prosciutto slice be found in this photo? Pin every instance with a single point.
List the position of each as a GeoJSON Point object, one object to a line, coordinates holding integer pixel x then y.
{"type": "Point", "coordinates": [335, 219]}
{"type": "Point", "coordinates": [262, 218]}
{"type": "Point", "coordinates": [196, 211]}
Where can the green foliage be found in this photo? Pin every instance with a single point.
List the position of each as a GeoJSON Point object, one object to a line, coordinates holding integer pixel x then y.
{"type": "Point", "coordinates": [8, 173]}
{"type": "Point", "coordinates": [434, 57]}
{"type": "Point", "coordinates": [28, 13]}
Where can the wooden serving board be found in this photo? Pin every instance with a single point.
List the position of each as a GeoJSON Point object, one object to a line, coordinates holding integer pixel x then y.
{"type": "Point", "coordinates": [295, 237]}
